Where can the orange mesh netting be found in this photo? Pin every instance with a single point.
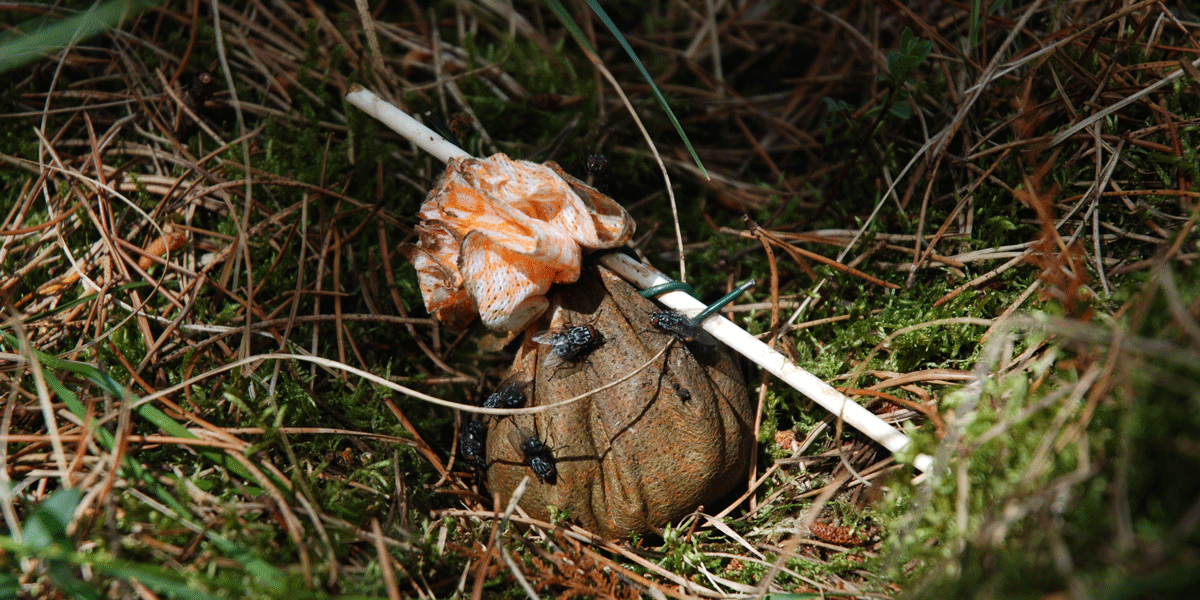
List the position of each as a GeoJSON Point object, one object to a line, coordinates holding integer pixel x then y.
{"type": "Point", "coordinates": [496, 233]}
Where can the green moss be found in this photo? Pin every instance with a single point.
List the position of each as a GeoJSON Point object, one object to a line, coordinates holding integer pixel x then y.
{"type": "Point", "coordinates": [1013, 470]}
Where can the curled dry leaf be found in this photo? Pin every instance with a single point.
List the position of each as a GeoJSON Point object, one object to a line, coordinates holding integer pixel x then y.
{"type": "Point", "coordinates": [495, 233]}
{"type": "Point", "coordinates": [787, 440]}
{"type": "Point", "coordinates": [642, 453]}
{"type": "Point", "coordinates": [171, 241]}
{"type": "Point", "coordinates": [838, 535]}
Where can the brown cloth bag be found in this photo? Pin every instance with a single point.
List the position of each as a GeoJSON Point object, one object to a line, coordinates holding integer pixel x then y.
{"type": "Point", "coordinates": [634, 457]}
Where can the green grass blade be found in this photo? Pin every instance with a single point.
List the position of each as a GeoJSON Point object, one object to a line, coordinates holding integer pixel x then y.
{"type": "Point", "coordinates": [264, 572]}
{"type": "Point", "coordinates": [22, 48]}
{"type": "Point", "coordinates": [149, 412]}
{"type": "Point", "coordinates": [155, 578]}
{"type": "Point", "coordinates": [152, 576]}
{"type": "Point", "coordinates": [573, 27]}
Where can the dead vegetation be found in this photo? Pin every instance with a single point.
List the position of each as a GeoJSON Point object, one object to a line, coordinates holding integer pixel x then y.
{"type": "Point", "coordinates": [198, 238]}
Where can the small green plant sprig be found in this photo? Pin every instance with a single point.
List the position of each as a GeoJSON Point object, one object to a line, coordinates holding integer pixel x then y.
{"type": "Point", "coordinates": [911, 53]}
{"type": "Point", "coordinates": [901, 63]}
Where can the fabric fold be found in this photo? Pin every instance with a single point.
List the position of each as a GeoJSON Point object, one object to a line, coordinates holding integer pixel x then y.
{"type": "Point", "coordinates": [496, 233]}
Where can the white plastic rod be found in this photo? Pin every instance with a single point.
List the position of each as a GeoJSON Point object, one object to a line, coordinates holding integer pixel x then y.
{"type": "Point", "coordinates": [644, 277]}
{"type": "Point", "coordinates": [412, 129]}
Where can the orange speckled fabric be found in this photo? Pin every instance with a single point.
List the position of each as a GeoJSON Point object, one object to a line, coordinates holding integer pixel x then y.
{"type": "Point", "coordinates": [496, 233]}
